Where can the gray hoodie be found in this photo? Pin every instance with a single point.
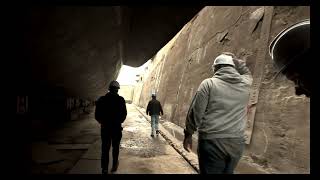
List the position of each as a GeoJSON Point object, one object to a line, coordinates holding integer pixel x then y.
{"type": "Point", "coordinates": [219, 107]}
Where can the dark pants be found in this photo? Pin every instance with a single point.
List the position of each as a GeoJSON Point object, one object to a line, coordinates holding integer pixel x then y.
{"type": "Point", "coordinates": [219, 156]}
{"type": "Point", "coordinates": [108, 137]}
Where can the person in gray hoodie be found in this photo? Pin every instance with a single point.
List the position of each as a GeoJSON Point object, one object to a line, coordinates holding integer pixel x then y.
{"type": "Point", "coordinates": [218, 112]}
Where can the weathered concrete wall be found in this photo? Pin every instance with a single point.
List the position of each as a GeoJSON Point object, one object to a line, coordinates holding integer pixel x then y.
{"type": "Point", "coordinates": [82, 48]}
{"type": "Point", "coordinates": [151, 79]}
{"type": "Point", "coordinates": [282, 126]}
{"type": "Point", "coordinates": [280, 140]}
{"type": "Point", "coordinates": [126, 91]}
{"type": "Point", "coordinates": [137, 92]}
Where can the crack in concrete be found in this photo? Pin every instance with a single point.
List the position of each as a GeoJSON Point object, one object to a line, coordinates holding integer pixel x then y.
{"type": "Point", "coordinates": [265, 135]}
{"type": "Point", "coordinates": [218, 32]}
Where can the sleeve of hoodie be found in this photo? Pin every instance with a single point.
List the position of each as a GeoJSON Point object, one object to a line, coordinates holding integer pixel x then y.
{"type": "Point", "coordinates": [197, 108]}
{"type": "Point", "coordinates": [244, 71]}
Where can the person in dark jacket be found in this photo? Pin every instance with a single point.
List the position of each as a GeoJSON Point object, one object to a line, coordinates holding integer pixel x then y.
{"type": "Point", "coordinates": [110, 112]}
{"type": "Point", "coordinates": [154, 109]}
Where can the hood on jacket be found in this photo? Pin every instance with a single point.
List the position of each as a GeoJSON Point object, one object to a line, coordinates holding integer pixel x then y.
{"type": "Point", "coordinates": [228, 74]}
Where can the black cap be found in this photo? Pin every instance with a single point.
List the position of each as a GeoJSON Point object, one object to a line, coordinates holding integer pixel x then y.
{"type": "Point", "coordinates": [114, 84]}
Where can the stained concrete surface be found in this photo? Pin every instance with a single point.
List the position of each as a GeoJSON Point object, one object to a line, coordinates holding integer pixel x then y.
{"type": "Point", "coordinates": [63, 147]}
{"type": "Point", "coordinates": [175, 136]}
{"type": "Point", "coordinates": [139, 152]}
{"type": "Point", "coordinates": [80, 131]}
{"type": "Point", "coordinates": [82, 48]}
{"type": "Point", "coordinates": [281, 132]}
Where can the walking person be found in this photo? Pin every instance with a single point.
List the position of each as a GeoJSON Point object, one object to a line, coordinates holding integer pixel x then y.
{"type": "Point", "coordinates": [110, 112]}
{"type": "Point", "coordinates": [218, 112]}
{"type": "Point", "coordinates": [154, 109]}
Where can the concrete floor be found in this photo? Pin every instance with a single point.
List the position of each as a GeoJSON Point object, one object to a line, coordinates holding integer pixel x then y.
{"type": "Point", "coordinates": [76, 149]}
{"type": "Point", "coordinates": [58, 151]}
{"type": "Point", "coordinates": [139, 153]}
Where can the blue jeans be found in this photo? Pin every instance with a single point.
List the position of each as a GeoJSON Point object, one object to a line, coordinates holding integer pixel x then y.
{"type": "Point", "coordinates": [220, 155]}
{"type": "Point", "coordinates": [154, 123]}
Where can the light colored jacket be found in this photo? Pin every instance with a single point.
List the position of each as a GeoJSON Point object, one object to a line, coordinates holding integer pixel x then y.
{"type": "Point", "coordinates": [219, 107]}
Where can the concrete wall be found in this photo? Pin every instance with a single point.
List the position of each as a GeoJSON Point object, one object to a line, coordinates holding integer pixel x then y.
{"type": "Point", "coordinates": [82, 48]}
{"type": "Point", "coordinates": [151, 79]}
{"type": "Point", "coordinates": [126, 91]}
{"type": "Point", "coordinates": [280, 140]}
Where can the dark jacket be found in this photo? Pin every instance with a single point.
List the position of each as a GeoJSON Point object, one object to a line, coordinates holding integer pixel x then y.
{"type": "Point", "coordinates": [111, 110]}
{"type": "Point", "coordinates": [154, 108]}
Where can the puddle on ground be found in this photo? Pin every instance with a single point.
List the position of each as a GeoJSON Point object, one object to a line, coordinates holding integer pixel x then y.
{"type": "Point", "coordinates": [143, 148]}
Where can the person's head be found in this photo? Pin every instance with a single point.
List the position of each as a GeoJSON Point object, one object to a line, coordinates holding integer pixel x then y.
{"type": "Point", "coordinates": [223, 60]}
{"type": "Point", "coordinates": [114, 87]}
{"type": "Point", "coordinates": [290, 52]}
{"type": "Point", "coordinates": [153, 95]}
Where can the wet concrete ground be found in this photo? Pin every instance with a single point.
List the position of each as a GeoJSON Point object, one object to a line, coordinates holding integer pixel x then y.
{"type": "Point", "coordinates": [76, 149]}
{"type": "Point", "coordinates": [139, 152]}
